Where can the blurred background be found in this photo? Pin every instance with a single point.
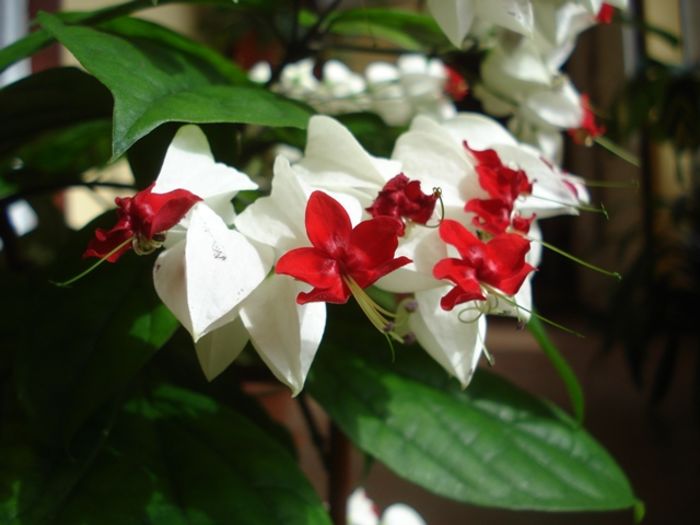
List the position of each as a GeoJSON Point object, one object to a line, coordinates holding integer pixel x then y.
{"type": "Point", "coordinates": [640, 360]}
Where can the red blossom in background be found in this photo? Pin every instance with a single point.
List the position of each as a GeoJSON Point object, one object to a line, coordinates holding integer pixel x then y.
{"type": "Point", "coordinates": [402, 198]}
{"type": "Point", "coordinates": [589, 128]}
{"type": "Point", "coordinates": [456, 86]}
{"type": "Point", "coordinates": [499, 263]}
{"type": "Point", "coordinates": [143, 218]}
{"type": "Point", "coordinates": [605, 14]}
{"type": "Point", "coordinates": [504, 185]}
{"type": "Point", "coordinates": [341, 255]}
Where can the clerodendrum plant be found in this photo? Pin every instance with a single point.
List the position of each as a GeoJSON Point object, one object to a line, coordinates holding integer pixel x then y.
{"type": "Point", "coordinates": [122, 387]}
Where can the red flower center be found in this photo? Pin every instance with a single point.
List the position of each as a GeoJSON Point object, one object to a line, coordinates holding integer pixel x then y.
{"type": "Point", "coordinates": [499, 263]}
{"type": "Point", "coordinates": [403, 199]}
{"type": "Point", "coordinates": [142, 219]}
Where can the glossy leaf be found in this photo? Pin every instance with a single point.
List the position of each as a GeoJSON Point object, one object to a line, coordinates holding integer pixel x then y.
{"type": "Point", "coordinates": [86, 343]}
{"type": "Point", "coordinates": [153, 84]}
{"type": "Point", "coordinates": [491, 444]}
{"type": "Point", "coordinates": [171, 457]}
{"type": "Point", "coordinates": [408, 29]}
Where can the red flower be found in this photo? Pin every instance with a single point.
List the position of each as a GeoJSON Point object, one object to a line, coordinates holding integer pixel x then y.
{"type": "Point", "coordinates": [342, 258]}
{"type": "Point", "coordinates": [492, 215]}
{"type": "Point", "coordinates": [402, 198]}
{"type": "Point", "coordinates": [605, 14]}
{"type": "Point", "coordinates": [504, 185]}
{"type": "Point", "coordinates": [500, 263]}
{"type": "Point", "coordinates": [499, 181]}
{"type": "Point", "coordinates": [589, 128]}
{"type": "Point", "coordinates": [456, 86]}
{"type": "Point", "coordinates": [143, 219]}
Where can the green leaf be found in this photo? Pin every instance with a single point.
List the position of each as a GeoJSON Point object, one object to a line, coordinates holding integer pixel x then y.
{"type": "Point", "coordinates": [491, 444]}
{"type": "Point", "coordinates": [153, 84]}
{"type": "Point", "coordinates": [172, 457]}
{"type": "Point", "coordinates": [573, 387]}
{"type": "Point", "coordinates": [49, 100]}
{"type": "Point", "coordinates": [408, 29]}
{"type": "Point", "coordinates": [86, 343]}
{"type": "Point", "coordinates": [37, 40]}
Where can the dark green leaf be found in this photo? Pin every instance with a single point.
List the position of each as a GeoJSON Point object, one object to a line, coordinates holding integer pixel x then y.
{"type": "Point", "coordinates": [408, 29]}
{"type": "Point", "coordinates": [172, 457]}
{"type": "Point", "coordinates": [56, 159]}
{"type": "Point", "coordinates": [49, 100]}
{"type": "Point", "coordinates": [84, 344]}
{"type": "Point", "coordinates": [153, 84]}
{"type": "Point", "coordinates": [573, 387]}
{"type": "Point", "coordinates": [491, 444]}
{"type": "Point", "coordinates": [40, 38]}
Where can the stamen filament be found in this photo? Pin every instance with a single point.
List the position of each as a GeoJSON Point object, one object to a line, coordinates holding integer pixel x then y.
{"type": "Point", "coordinates": [617, 150]}
{"type": "Point", "coordinates": [82, 274]}
{"type": "Point", "coordinates": [505, 298]}
{"type": "Point", "coordinates": [588, 265]}
{"type": "Point", "coordinates": [372, 310]}
{"type": "Point", "coordinates": [581, 207]}
{"type": "Point", "coordinates": [437, 192]}
{"type": "Point", "coordinates": [612, 184]}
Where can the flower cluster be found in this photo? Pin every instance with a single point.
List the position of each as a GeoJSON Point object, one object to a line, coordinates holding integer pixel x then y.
{"type": "Point", "coordinates": [396, 92]}
{"type": "Point", "coordinates": [448, 222]}
{"type": "Point", "coordinates": [527, 43]}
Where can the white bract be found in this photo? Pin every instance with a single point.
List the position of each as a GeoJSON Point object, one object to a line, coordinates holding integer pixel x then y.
{"type": "Point", "coordinates": [206, 269]}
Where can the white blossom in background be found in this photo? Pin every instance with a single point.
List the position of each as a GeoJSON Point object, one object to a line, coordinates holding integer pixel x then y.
{"type": "Point", "coordinates": [396, 92]}
{"type": "Point", "coordinates": [457, 17]}
{"type": "Point", "coordinates": [416, 85]}
{"type": "Point", "coordinates": [361, 510]}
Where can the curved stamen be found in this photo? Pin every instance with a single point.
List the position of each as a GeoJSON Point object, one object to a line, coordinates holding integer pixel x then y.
{"type": "Point", "coordinates": [82, 274]}
{"type": "Point", "coordinates": [566, 254]}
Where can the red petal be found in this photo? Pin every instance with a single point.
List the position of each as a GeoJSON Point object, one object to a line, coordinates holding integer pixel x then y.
{"type": "Point", "coordinates": [493, 215]}
{"type": "Point", "coordinates": [487, 157]}
{"type": "Point", "coordinates": [154, 213]}
{"type": "Point", "coordinates": [370, 254]}
{"type": "Point", "coordinates": [468, 245]}
{"type": "Point", "coordinates": [464, 276]}
{"type": "Point", "coordinates": [458, 296]}
{"type": "Point", "coordinates": [605, 14]}
{"type": "Point", "coordinates": [105, 241]}
{"type": "Point", "coordinates": [327, 224]}
{"type": "Point", "coordinates": [314, 267]}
